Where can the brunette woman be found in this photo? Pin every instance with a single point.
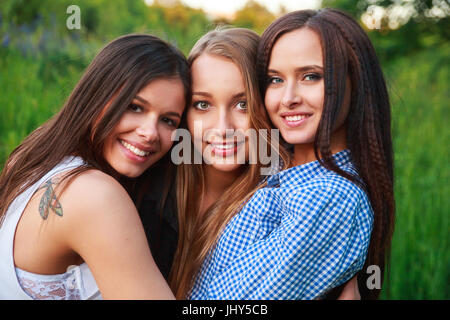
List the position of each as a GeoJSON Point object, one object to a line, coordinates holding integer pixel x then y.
{"type": "Point", "coordinates": [323, 220]}
{"type": "Point", "coordinates": [70, 230]}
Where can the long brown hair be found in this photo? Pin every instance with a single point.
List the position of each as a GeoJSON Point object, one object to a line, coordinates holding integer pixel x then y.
{"type": "Point", "coordinates": [116, 74]}
{"type": "Point", "coordinates": [348, 52]}
{"type": "Point", "coordinates": [198, 234]}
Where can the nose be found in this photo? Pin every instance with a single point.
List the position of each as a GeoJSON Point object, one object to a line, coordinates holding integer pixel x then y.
{"type": "Point", "coordinates": [224, 122]}
{"type": "Point", "coordinates": [148, 129]}
{"type": "Point", "coordinates": [291, 95]}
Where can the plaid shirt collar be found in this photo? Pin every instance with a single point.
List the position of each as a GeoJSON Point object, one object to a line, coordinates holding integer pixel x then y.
{"type": "Point", "coordinates": [304, 172]}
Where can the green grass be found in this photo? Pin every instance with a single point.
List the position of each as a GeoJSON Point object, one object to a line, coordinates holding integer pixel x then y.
{"type": "Point", "coordinates": [33, 89]}
{"type": "Point", "coordinates": [420, 260]}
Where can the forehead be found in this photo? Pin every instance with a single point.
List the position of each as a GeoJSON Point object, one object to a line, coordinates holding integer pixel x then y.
{"type": "Point", "coordinates": [297, 48]}
{"type": "Point", "coordinates": [164, 94]}
{"type": "Point", "coordinates": [213, 72]}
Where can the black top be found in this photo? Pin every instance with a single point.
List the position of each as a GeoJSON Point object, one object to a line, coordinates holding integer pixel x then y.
{"type": "Point", "coordinates": [161, 226]}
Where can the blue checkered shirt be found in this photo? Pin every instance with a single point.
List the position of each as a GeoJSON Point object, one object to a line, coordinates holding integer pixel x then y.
{"type": "Point", "coordinates": [303, 234]}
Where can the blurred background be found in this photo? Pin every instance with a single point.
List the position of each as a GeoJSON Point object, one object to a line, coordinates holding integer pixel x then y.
{"type": "Point", "coordinates": [41, 60]}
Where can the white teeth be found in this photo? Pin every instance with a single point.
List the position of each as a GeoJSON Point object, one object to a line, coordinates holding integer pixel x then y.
{"type": "Point", "coordinates": [223, 146]}
{"type": "Point", "coordinates": [296, 118]}
{"type": "Point", "coordinates": [133, 149]}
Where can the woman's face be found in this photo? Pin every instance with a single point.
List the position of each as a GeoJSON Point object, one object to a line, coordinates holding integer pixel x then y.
{"type": "Point", "coordinates": [217, 118]}
{"type": "Point", "coordinates": [143, 134]}
{"type": "Point", "coordinates": [295, 94]}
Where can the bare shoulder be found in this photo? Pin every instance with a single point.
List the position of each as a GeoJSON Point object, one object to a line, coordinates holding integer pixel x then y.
{"type": "Point", "coordinates": [66, 212]}
{"type": "Point", "coordinates": [95, 198]}
{"type": "Point", "coordinates": [102, 226]}
{"type": "Point", "coordinates": [94, 182]}
{"type": "Point", "coordinates": [91, 189]}
{"type": "Point", "coordinates": [97, 208]}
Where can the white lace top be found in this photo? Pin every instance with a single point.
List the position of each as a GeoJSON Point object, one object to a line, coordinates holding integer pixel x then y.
{"type": "Point", "coordinates": [16, 284]}
{"type": "Point", "coordinates": [75, 284]}
{"type": "Point", "coordinates": [48, 287]}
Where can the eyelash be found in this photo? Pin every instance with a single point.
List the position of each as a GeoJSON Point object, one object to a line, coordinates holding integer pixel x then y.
{"type": "Point", "coordinates": [197, 103]}
{"type": "Point", "coordinates": [270, 80]}
{"type": "Point", "coordinates": [317, 77]}
{"type": "Point", "coordinates": [170, 122]}
{"type": "Point", "coordinates": [132, 107]}
{"type": "Point", "coordinates": [245, 105]}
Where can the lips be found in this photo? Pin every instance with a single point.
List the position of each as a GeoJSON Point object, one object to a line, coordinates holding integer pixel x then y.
{"type": "Point", "coordinates": [295, 119]}
{"type": "Point", "coordinates": [137, 150]}
{"type": "Point", "coordinates": [225, 148]}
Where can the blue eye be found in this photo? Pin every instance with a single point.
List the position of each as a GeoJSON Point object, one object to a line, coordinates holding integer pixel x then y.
{"type": "Point", "coordinates": [274, 80]}
{"type": "Point", "coordinates": [201, 105]}
{"type": "Point", "coordinates": [312, 77]}
{"type": "Point", "coordinates": [241, 105]}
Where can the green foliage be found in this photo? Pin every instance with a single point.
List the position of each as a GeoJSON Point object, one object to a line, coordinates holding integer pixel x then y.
{"type": "Point", "coordinates": [349, 6]}
{"type": "Point", "coordinates": [179, 24]}
{"type": "Point", "coordinates": [420, 257]}
{"type": "Point", "coordinates": [253, 16]}
{"type": "Point", "coordinates": [26, 99]}
{"type": "Point", "coordinates": [422, 30]}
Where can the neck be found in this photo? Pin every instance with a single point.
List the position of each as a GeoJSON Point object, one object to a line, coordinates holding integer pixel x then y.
{"type": "Point", "coordinates": [304, 153]}
{"type": "Point", "coordinates": [216, 183]}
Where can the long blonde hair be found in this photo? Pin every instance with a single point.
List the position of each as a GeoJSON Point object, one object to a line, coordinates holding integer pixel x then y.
{"type": "Point", "coordinates": [199, 233]}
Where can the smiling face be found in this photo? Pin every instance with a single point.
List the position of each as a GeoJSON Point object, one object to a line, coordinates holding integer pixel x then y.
{"type": "Point", "coordinates": [295, 93]}
{"type": "Point", "coordinates": [143, 134]}
{"type": "Point", "coordinates": [218, 110]}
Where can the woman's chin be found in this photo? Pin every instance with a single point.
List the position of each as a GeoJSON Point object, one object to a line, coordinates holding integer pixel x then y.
{"type": "Point", "coordinates": [226, 166]}
{"type": "Point", "coordinates": [297, 138]}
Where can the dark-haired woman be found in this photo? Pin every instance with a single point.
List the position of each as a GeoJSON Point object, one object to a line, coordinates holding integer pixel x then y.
{"type": "Point", "coordinates": [69, 228]}
{"type": "Point", "coordinates": [327, 217]}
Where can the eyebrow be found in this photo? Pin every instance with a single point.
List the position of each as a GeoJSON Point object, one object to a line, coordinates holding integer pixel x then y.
{"type": "Point", "coordinates": [174, 114]}
{"type": "Point", "coordinates": [141, 100]}
{"type": "Point", "coordinates": [300, 69]}
{"type": "Point", "coordinates": [239, 95]}
{"type": "Point", "coordinates": [170, 113]}
{"type": "Point", "coordinates": [206, 94]}
{"type": "Point", "coordinates": [201, 93]}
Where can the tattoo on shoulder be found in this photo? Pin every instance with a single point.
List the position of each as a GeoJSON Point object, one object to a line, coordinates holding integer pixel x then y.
{"type": "Point", "coordinates": [49, 201]}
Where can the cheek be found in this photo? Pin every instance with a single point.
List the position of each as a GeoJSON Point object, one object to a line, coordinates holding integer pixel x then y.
{"type": "Point", "coordinates": [165, 138]}
{"type": "Point", "coordinates": [122, 126]}
{"type": "Point", "coordinates": [190, 118]}
{"type": "Point", "coordinates": [316, 96]}
{"type": "Point", "coordinates": [198, 124]}
{"type": "Point", "coordinates": [241, 121]}
{"type": "Point", "coordinates": [271, 101]}
{"type": "Point", "coordinates": [128, 122]}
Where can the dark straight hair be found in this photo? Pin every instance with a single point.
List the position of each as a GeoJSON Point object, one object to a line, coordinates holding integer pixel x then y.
{"type": "Point", "coordinates": [348, 52]}
{"type": "Point", "coordinates": [118, 72]}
